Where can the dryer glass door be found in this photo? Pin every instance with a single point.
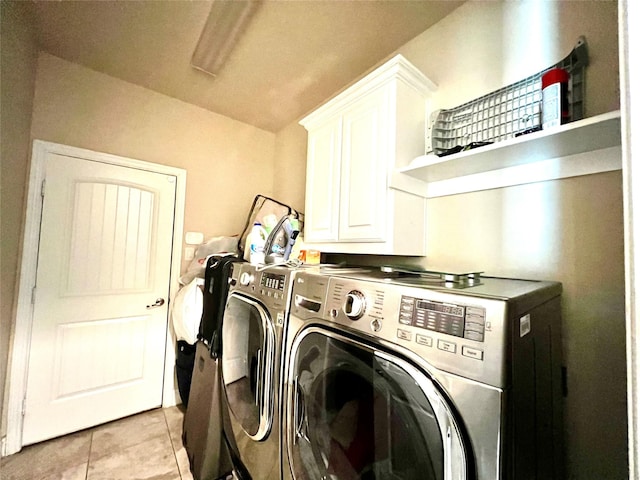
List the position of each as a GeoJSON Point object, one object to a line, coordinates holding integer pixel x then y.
{"type": "Point", "coordinates": [248, 341]}
{"type": "Point", "coordinates": [355, 412]}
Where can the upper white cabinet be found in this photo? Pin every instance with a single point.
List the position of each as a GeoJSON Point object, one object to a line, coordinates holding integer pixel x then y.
{"type": "Point", "coordinates": [356, 142]}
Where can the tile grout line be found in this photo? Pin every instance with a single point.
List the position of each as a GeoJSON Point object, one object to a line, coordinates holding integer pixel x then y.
{"type": "Point", "coordinates": [86, 475]}
{"type": "Point", "coordinates": [173, 448]}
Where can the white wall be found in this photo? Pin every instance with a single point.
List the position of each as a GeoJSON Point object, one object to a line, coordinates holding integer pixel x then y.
{"type": "Point", "coordinates": [19, 56]}
{"type": "Point", "coordinates": [290, 166]}
{"type": "Point", "coordinates": [483, 46]}
{"type": "Point", "coordinates": [227, 162]}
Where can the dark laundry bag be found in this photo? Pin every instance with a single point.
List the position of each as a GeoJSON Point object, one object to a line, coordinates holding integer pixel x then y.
{"type": "Point", "coordinates": [185, 359]}
{"type": "Point", "coordinates": [202, 426]}
{"type": "Point", "coordinates": [214, 298]}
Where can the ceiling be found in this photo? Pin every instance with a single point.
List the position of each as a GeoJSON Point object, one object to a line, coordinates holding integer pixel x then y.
{"type": "Point", "coordinates": [294, 55]}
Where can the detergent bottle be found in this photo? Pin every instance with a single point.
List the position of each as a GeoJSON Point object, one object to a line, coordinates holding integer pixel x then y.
{"type": "Point", "coordinates": [258, 237]}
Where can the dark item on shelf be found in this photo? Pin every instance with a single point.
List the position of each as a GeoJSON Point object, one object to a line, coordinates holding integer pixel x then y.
{"type": "Point", "coordinates": [460, 148]}
{"type": "Point", "coordinates": [473, 145]}
{"type": "Point", "coordinates": [450, 151]}
{"type": "Point", "coordinates": [529, 130]}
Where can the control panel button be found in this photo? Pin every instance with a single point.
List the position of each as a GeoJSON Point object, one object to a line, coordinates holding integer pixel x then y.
{"type": "Point", "coordinates": [472, 352]}
{"type": "Point", "coordinates": [474, 327]}
{"type": "Point", "coordinates": [476, 336]}
{"type": "Point", "coordinates": [407, 301]}
{"type": "Point", "coordinates": [424, 340]}
{"type": "Point", "coordinates": [447, 346]}
{"type": "Point", "coordinates": [404, 335]}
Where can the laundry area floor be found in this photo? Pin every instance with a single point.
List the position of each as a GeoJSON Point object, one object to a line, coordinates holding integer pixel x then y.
{"type": "Point", "coordinates": [143, 446]}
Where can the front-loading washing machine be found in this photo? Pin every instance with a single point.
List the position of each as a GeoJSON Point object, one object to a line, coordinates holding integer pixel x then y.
{"type": "Point", "coordinates": [387, 378]}
{"type": "Point", "coordinates": [253, 328]}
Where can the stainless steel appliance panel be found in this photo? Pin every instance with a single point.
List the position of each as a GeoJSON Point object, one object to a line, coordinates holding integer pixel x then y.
{"type": "Point", "coordinates": [476, 346]}
{"type": "Point", "coordinates": [252, 336]}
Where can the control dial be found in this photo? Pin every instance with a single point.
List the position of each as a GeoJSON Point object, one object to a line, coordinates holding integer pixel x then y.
{"type": "Point", "coordinates": [245, 278]}
{"type": "Point", "coordinates": [355, 305]}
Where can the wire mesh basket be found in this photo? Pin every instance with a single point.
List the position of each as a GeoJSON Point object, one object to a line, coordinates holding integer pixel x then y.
{"type": "Point", "coordinates": [506, 112]}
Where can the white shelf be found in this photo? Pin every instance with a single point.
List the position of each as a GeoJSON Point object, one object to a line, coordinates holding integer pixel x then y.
{"type": "Point", "coordinates": [588, 135]}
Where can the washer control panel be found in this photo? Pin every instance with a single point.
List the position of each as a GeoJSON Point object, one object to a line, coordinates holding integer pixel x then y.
{"type": "Point", "coordinates": [275, 281]}
{"type": "Point", "coordinates": [457, 320]}
{"type": "Point", "coordinates": [452, 332]}
{"type": "Point", "coordinates": [467, 333]}
{"type": "Point", "coordinates": [271, 286]}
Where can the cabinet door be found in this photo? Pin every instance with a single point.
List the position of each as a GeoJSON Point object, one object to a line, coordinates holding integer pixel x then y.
{"type": "Point", "coordinates": [323, 183]}
{"type": "Point", "coordinates": [365, 149]}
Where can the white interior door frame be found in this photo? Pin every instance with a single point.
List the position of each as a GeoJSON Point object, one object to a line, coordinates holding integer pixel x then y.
{"type": "Point", "coordinates": [630, 110]}
{"type": "Point", "coordinates": [28, 266]}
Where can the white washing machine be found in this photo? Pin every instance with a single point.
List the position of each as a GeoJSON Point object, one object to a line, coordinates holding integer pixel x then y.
{"type": "Point", "coordinates": [389, 377]}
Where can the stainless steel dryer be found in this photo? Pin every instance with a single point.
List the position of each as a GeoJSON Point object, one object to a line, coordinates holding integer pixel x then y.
{"type": "Point", "coordinates": [386, 380]}
{"type": "Point", "coordinates": [252, 335]}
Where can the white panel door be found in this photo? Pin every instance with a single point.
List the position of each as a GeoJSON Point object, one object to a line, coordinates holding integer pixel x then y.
{"type": "Point", "coordinates": [363, 187]}
{"type": "Point", "coordinates": [323, 183]}
{"type": "Point", "coordinates": [98, 342]}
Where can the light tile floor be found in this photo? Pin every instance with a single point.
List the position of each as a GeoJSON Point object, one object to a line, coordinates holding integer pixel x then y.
{"type": "Point", "coordinates": [147, 446]}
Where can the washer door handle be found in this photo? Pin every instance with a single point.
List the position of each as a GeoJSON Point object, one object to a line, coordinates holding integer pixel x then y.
{"type": "Point", "coordinates": [159, 302]}
{"type": "Point", "coordinates": [298, 413]}
{"type": "Point", "coordinates": [259, 380]}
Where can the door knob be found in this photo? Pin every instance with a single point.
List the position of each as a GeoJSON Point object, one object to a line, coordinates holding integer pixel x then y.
{"type": "Point", "coordinates": [159, 303]}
